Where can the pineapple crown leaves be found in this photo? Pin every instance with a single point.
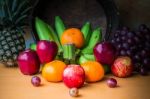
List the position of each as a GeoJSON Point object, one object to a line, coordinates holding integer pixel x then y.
{"type": "Point", "coordinates": [13, 13]}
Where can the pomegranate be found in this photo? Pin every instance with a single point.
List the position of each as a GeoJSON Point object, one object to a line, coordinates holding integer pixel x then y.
{"type": "Point", "coordinates": [74, 76]}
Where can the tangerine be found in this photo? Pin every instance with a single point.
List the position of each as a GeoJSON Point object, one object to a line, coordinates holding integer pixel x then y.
{"type": "Point", "coordinates": [73, 36]}
{"type": "Point", "coordinates": [94, 71]}
{"type": "Point", "coordinates": [53, 71]}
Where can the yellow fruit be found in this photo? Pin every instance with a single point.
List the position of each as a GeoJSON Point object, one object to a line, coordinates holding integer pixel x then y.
{"type": "Point", "coordinates": [53, 71]}
{"type": "Point", "coordinates": [94, 71]}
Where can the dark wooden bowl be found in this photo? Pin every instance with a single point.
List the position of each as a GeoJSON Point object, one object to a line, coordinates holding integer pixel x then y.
{"type": "Point", "coordinates": [75, 13]}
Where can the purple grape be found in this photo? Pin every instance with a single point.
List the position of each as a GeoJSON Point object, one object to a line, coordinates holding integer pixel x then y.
{"type": "Point", "coordinates": [147, 37]}
{"type": "Point", "coordinates": [143, 53]}
{"type": "Point", "coordinates": [123, 33]}
{"type": "Point", "coordinates": [143, 71]}
{"type": "Point", "coordinates": [137, 40]}
{"type": "Point", "coordinates": [147, 44]}
{"type": "Point", "coordinates": [123, 52]}
{"type": "Point", "coordinates": [118, 46]}
{"type": "Point", "coordinates": [125, 28]}
{"type": "Point", "coordinates": [129, 53]}
{"type": "Point", "coordinates": [142, 27]}
{"type": "Point", "coordinates": [146, 30]}
{"type": "Point", "coordinates": [36, 81]}
{"type": "Point", "coordinates": [134, 44]}
{"type": "Point", "coordinates": [130, 34]}
{"type": "Point", "coordinates": [146, 62]}
{"type": "Point", "coordinates": [111, 82]}
{"type": "Point", "coordinates": [118, 31]}
{"type": "Point", "coordinates": [113, 41]}
{"type": "Point", "coordinates": [130, 41]}
{"type": "Point", "coordinates": [137, 57]}
{"type": "Point", "coordinates": [133, 48]}
{"type": "Point", "coordinates": [123, 38]}
{"type": "Point", "coordinates": [118, 40]}
{"type": "Point", "coordinates": [139, 34]}
{"type": "Point", "coordinates": [116, 35]}
{"type": "Point", "coordinates": [125, 45]}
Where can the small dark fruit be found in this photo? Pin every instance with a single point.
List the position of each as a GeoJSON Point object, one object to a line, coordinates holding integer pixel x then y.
{"type": "Point", "coordinates": [111, 82]}
{"type": "Point", "coordinates": [73, 92]}
{"type": "Point", "coordinates": [143, 71]}
{"type": "Point", "coordinates": [36, 81]}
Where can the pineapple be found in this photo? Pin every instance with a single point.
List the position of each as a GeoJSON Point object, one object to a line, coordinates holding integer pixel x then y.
{"type": "Point", "coordinates": [13, 19]}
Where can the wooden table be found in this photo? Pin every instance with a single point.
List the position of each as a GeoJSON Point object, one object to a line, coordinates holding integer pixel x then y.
{"type": "Point", "coordinates": [15, 85]}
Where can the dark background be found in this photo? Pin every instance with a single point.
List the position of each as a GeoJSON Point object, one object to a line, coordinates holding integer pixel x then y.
{"type": "Point", "coordinates": [134, 12]}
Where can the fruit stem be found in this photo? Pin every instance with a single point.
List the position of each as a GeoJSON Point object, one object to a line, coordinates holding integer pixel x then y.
{"type": "Point", "coordinates": [69, 53]}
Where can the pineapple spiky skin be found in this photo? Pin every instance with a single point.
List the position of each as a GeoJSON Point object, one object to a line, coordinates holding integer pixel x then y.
{"type": "Point", "coordinates": [13, 19]}
{"type": "Point", "coordinates": [11, 43]}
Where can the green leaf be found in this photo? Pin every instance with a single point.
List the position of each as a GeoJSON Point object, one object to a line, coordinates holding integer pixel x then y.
{"type": "Point", "coordinates": [1, 1]}
{"type": "Point", "coordinates": [14, 5]}
{"type": "Point", "coordinates": [8, 10]}
{"type": "Point", "coordinates": [20, 30]}
{"type": "Point", "coordinates": [9, 3]}
{"type": "Point", "coordinates": [26, 10]}
{"type": "Point", "coordinates": [20, 19]}
{"type": "Point", "coordinates": [1, 13]}
{"type": "Point", "coordinates": [17, 12]}
{"type": "Point", "coordinates": [4, 10]}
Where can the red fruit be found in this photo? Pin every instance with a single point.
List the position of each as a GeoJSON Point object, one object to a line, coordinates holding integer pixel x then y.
{"type": "Point", "coordinates": [74, 76]}
{"type": "Point", "coordinates": [104, 53]}
{"type": "Point", "coordinates": [46, 50]}
{"type": "Point", "coordinates": [122, 67]}
{"type": "Point", "coordinates": [36, 81]}
{"type": "Point", "coordinates": [111, 82]}
{"type": "Point", "coordinates": [28, 62]}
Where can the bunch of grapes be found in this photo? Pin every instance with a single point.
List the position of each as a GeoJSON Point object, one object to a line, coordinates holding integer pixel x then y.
{"type": "Point", "coordinates": [135, 44]}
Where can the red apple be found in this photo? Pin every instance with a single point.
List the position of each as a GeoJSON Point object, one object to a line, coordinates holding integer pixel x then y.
{"type": "Point", "coordinates": [104, 53]}
{"type": "Point", "coordinates": [74, 76]}
{"type": "Point", "coordinates": [122, 67]}
{"type": "Point", "coordinates": [46, 50]}
{"type": "Point", "coordinates": [28, 62]}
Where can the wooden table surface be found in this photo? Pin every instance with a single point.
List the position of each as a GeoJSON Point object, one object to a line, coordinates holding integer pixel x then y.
{"type": "Point", "coordinates": [15, 85]}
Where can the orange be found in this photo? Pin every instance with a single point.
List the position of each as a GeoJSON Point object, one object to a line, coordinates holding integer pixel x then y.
{"type": "Point", "coordinates": [53, 71]}
{"type": "Point", "coordinates": [73, 36]}
{"type": "Point", "coordinates": [94, 71]}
